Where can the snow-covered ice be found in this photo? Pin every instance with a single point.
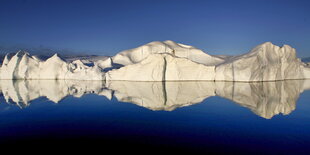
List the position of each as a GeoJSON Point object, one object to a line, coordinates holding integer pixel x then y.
{"type": "Point", "coordinates": [163, 67]}
{"type": "Point", "coordinates": [169, 61]}
{"type": "Point", "coordinates": [266, 62]}
{"type": "Point", "coordinates": [138, 54]}
{"type": "Point", "coordinates": [163, 61]}
{"type": "Point", "coordinates": [23, 66]}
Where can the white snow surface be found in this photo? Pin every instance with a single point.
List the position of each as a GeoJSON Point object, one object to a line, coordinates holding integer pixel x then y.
{"type": "Point", "coordinates": [163, 67]}
{"type": "Point", "coordinates": [138, 54]}
{"type": "Point", "coordinates": [266, 62]}
{"type": "Point", "coordinates": [164, 61]}
{"type": "Point", "coordinates": [23, 66]}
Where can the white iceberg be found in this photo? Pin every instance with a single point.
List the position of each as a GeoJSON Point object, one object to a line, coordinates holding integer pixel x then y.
{"type": "Point", "coordinates": [265, 62]}
{"type": "Point", "coordinates": [169, 61]}
{"type": "Point", "coordinates": [23, 66]}
{"type": "Point", "coordinates": [138, 54]}
{"type": "Point", "coordinates": [163, 61]}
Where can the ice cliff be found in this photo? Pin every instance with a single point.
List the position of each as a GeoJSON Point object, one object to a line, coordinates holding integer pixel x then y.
{"type": "Point", "coordinates": [163, 67]}
{"type": "Point", "coordinates": [164, 61]}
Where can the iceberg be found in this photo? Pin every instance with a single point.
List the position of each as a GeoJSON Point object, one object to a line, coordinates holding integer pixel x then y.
{"type": "Point", "coordinates": [138, 54]}
{"type": "Point", "coordinates": [163, 61]}
{"type": "Point", "coordinates": [266, 62]}
{"type": "Point", "coordinates": [24, 66]}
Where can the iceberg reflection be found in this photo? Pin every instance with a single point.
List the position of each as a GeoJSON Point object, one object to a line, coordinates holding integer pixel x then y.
{"type": "Point", "coordinates": [265, 99]}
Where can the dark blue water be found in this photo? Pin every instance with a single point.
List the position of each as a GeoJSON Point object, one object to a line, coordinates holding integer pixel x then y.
{"type": "Point", "coordinates": [217, 124]}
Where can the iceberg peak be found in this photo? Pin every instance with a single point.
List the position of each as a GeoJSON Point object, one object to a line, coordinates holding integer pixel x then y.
{"type": "Point", "coordinates": [21, 53]}
{"type": "Point", "coordinates": [268, 49]}
{"type": "Point", "coordinates": [5, 60]}
{"type": "Point", "coordinates": [56, 58]}
{"type": "Point", "coordinates": [270, 44]}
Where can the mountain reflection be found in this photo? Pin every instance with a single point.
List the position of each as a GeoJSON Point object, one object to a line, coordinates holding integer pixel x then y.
{"type": "Point", "coordinates": [265, 99]}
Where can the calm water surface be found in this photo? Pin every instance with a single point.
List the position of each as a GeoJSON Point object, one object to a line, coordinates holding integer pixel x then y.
{"type": "Point", "coordinates": [222, 117]}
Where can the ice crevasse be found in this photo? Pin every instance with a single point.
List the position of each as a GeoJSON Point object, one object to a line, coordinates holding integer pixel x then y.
{"type": "Point", "coordinates": [165, 61]}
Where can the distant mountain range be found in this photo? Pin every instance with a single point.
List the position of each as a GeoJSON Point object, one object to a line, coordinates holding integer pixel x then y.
{"type": "Point", "coordinates": [305, 59]}
{"type": "Point", "coordinates": [44, 52]}
{"type": "Point", "coordinates": [35, 50]}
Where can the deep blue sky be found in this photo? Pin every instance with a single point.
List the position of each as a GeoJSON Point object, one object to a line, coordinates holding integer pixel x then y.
{"type": "Point", "coordinates": [107, 27]}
